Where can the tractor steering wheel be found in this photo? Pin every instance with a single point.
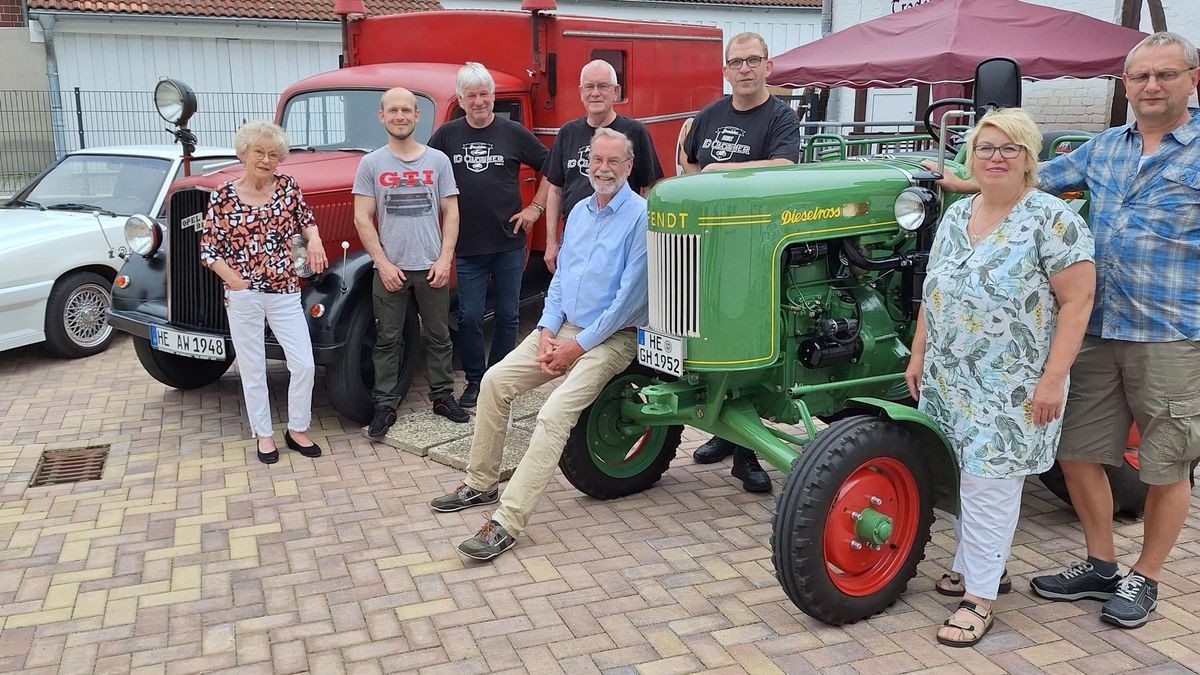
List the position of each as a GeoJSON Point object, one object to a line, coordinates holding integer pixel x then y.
{"type": "Point", "coordinates": [954, 141]}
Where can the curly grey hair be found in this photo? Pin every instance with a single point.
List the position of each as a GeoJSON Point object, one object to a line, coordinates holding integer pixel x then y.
{"type": "Point", "coordinates": [260, 130]}
{"type": "Point", "coordinates": [473, 75]}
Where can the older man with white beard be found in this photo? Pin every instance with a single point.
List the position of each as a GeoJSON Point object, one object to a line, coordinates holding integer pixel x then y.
{"type": "Point", "coordinates": [586, 335]}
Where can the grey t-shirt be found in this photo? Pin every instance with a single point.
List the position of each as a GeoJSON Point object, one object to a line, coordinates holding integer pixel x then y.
{"type": "Point", "coordinates": [407, 203]}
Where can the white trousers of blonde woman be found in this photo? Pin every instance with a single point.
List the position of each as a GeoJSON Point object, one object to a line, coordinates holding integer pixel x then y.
{"type": "Point", "coordinates": [989, 510]}
{"type": "Point", "coordinates": [515, 374]}
{"type": "Point", "coordinates": [249, 312]}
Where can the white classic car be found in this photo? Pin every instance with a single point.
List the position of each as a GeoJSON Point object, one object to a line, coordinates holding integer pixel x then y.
{"type": "Point", "coordinates": [62, 240]}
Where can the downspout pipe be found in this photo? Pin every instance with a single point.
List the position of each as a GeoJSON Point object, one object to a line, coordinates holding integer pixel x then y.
{"type": "Point", "coordinates": [57, 125]}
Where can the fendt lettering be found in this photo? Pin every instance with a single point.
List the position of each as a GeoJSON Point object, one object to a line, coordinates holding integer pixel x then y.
{"type": "Point", "coordinates": [668, 221]}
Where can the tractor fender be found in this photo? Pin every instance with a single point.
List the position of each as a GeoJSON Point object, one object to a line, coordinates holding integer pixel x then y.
{"type": "Point", "coordinates": [942, 459]}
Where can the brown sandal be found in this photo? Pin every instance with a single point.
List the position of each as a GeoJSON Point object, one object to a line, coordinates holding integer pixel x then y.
{"type": "Point", "coordinates": [951, 585]}
{"type": "Point", "coordinates": [973, 633]}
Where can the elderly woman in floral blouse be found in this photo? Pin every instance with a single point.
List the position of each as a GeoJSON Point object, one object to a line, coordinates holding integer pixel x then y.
{"type": "Point", "coordinates": [247, 241]}
{"type": "Point", "coordinates": [1006, 301]}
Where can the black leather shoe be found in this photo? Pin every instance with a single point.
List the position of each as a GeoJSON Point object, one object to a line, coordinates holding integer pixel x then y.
{"type": "Point", "coordinates": [313, 450]}
{"type": "Point", "coordinates": [746, 467]}
{"type": "Point", "coordinates": [715, 450]}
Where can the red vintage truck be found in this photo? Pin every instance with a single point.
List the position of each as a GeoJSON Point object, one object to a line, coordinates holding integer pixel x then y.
{"type": "Point", "coordinates": [174, 307]}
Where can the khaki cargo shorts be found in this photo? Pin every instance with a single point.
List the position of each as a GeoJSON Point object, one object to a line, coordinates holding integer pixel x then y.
{"type": "Point", "coordinates": [1115, 383]}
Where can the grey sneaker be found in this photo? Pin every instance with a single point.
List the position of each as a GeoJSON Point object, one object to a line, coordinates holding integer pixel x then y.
{"type": "Point", "coordinates": [1131, 604]}
{"type": "Point", "coordinates": [1079, 581]}
{"type": "Point", "coordinates": [464, 497]}
{"type": "Point", "coordinates": [491, 540]}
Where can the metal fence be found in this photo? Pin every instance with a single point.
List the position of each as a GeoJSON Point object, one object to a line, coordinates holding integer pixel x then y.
{"type": "Point", "coordinates": [37, 127]}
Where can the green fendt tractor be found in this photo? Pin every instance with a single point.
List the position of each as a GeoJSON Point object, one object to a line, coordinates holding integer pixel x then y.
{"type": "Point", "coordinates": [779, 297]}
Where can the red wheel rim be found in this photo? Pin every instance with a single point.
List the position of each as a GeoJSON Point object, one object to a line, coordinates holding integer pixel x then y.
{"type": "Point", "coordinates": [864, 571]}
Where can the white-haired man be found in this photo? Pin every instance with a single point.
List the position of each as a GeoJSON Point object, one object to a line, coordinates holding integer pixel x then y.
{"type": "Point", "coordinates": [567, 168]}
{"type": "Point", "coordinates": [584, 336]}
{"type": "Point", "coordinates": [487, 152]}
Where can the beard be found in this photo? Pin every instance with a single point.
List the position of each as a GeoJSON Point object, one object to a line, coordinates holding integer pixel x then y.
{"type": "Point", "coordinates": [603, 188]}
{"type": "Point", "coordinates": [402, 136]}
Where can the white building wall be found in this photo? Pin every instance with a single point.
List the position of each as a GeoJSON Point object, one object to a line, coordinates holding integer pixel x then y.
{"type": "Point", "coordinates": [237, 68]}
{"type": "Point", "coordinates": [783, 27]}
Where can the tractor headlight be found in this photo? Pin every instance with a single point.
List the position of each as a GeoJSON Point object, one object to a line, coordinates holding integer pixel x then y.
{"type": "Point", "coordinates": [143, 235]}
{"type": "Point", "coordinates": [915, 208]}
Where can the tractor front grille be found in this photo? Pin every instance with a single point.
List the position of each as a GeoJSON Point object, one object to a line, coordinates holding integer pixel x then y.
{"type": "Point", "coordinates": [197, 298]}
{"type": "Point", "coordinates": [673, 262]}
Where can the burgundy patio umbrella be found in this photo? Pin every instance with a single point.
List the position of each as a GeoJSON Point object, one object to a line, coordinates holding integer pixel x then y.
{"type": "Point", "coordinates": [942, 42]}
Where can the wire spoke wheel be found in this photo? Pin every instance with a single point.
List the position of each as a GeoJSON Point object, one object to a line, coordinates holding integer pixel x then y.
{"type": "Point", "coordinates": [84, 317]}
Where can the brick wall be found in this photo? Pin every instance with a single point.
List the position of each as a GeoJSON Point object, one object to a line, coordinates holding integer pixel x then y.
{"type": "Point", "coordinates": [10, 13]}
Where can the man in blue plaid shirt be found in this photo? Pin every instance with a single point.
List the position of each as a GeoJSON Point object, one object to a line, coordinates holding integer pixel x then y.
{"type": "Point", "coordinates": [1140, 361]}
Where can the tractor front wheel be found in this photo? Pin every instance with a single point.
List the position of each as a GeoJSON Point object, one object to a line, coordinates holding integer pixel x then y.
{"type": "Point", "coordinates": [608, 456]}
{"type": "Point", "coordinates": [852, 520]}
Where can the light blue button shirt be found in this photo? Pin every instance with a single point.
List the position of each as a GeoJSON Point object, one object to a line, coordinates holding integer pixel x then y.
{"type": "Point", "coordinates": [600, 284]}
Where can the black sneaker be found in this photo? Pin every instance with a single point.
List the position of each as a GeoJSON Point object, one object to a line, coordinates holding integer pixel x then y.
{"type": "Point", "coordinates": [491, 540]}
{"type": "Point", "coordinates": [464, 497]}
{"type": "Point", "coordinates": [385, 417]}
{"type": "Point", "coordinates": [1079, 581]}
{"type": "Point", "coordinates": [447, 407]}
{"type": "Point", "coordinates": [470, 395]}
{"type": "Point", "coordinates": [1131, 604]}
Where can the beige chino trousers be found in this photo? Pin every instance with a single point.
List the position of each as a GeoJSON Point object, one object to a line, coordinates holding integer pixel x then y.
{"type": "Point", "coordinates": [517, 373]}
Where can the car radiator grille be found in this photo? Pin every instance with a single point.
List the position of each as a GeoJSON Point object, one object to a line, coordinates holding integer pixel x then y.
{"type": "Point", "coordinates": [673, 266]}
{"type": "Point", "coordinates": [196, 294]}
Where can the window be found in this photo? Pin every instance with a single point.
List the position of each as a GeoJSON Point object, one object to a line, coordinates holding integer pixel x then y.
{"type": "Point", "coordinates": [615, 57]}
{"type": "Point", "coordinates": [122, 184]}
{"type": "Point", "coordinates": [340, 119]}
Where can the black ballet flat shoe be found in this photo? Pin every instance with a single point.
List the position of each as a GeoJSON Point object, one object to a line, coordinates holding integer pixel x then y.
{"type": "Point", "coordinates": [313, 450]}
{"type": "Point", "coordinates": [267, 457]}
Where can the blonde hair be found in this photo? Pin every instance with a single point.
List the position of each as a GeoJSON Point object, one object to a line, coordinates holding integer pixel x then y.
{"type": "Point", "coordinates": [746, 37]}
{"type": "Point", "coordinates": [1020, 129]}
{"type": "Point", "coordinates": [260, 130]}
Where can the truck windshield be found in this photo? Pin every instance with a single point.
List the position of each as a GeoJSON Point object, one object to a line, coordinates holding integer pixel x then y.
{"type": "Point", "coordinates": [345, 118]}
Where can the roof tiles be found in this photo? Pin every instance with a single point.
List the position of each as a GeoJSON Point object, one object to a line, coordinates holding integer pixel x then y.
{"type": "Point", "coordinates": [304, 10]}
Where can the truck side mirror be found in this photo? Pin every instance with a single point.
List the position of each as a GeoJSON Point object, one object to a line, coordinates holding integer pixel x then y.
{"type": "Point", "coordinates": [997, 85]}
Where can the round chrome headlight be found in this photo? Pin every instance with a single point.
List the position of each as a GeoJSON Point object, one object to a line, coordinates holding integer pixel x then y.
{"type": "Point", "coordinates": [143, 235]}
{"type": "Point", "coordinates": [915, 208]}
{"type": "Point", "coordinates": [175, 101]}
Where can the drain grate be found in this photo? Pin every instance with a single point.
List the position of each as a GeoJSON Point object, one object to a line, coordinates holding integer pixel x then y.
{"type": "Point", "coordinates": [70, 466]}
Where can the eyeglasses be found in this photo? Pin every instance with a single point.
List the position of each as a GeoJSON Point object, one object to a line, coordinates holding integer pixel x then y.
{"type": "Point", "coordinates": [1160, 75]}
{"type": "Point", "coordinates": [259, 155]}
{"type": "Point", "coordinates": [753, 62]}
{"type": "Point", "coordinates": [593, 160]}
{"type": "Point", "coordinates": [1009, 151]}
{"type": "Point", "coordinates": [597, 86]}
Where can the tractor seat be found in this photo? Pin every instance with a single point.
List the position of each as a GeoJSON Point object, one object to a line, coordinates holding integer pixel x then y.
{"type": "Point", "coordinates": [1048, 137]}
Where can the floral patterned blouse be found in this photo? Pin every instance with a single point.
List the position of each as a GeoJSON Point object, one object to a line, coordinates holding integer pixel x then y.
{"type": "Point", "coordinates": [256, 241]}
{"type": "Point", "coordinates": [990, 314]}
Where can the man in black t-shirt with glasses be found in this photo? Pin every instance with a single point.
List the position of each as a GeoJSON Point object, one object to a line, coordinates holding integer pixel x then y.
{"type": "Point", "coordinates": [486, 153]}
{"type": "Point", "coordinates": [567, 168]}
{"type": "Point", "coordinates": [748, 128]}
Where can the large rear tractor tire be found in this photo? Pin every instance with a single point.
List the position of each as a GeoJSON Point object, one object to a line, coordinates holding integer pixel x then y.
{"type": "Point", "coordinates": [350, 379]}
{"type": "Point", "coordinates": [608, 457]}
{"type": "Point", "coordinates": [853, 519]}
{"type": "Point", "coordinates": [179, 372]}
{"type": "Point", "coordinates": [1128, 490]}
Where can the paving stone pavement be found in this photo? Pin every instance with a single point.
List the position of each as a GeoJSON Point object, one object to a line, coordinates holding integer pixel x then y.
{"type": "Point", "coordinates": [190, 556]}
